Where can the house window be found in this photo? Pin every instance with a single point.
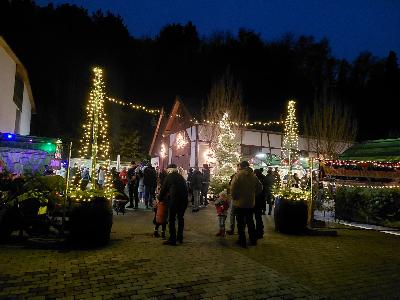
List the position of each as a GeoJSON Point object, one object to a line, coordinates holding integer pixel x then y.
{"type": "Point", "coordinates": [250, 151]}
{"type": "Point", "coordinates": [18, 91]}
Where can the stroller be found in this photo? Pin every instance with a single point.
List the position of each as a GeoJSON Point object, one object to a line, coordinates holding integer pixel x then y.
{"type": "Point", "coordinates": [120, 199]}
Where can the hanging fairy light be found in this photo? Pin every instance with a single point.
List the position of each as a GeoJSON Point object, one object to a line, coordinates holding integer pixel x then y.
{"type": "Point", "coordinates": [180, 140]}
{"type": "Point", "coordinates": [134, 106]}
{"type": "Point", "coordinates": [163, 151]}
{"type": "Point", "coordinates": [209, 156]}
{"type": "Point", "coordinates": [240, 124]}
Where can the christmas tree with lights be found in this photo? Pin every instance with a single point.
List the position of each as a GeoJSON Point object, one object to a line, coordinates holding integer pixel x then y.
{"type": "Point", "coordinates": [95, 143]}
{"type": "Point", "coordinates": [290, 145]}
{"type": "Point", "coordinates": [226, 156]}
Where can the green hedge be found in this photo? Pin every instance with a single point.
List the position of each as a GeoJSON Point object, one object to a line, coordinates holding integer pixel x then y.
{"type": "Point", "coordinates": [368, 205]}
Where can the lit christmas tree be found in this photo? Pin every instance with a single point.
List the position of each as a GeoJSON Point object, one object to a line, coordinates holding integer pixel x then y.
{"type": "Point", "coordinates": [95, 143]}
{"type": "Point", "coordinates": [226, 156]}
{"type": "Point", "coordinates": [290, 146]}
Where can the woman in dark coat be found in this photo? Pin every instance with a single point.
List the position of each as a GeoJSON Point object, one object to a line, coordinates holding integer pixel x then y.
{"type": "Point", "coordinates": [174, 191]}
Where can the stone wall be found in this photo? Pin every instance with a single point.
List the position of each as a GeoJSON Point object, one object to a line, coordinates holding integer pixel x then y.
{"type": "Point", "coordinates": [20, 161]}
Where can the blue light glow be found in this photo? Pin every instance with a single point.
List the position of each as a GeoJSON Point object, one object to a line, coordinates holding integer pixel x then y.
{"type": "Point", "coordinates": [10, 136]}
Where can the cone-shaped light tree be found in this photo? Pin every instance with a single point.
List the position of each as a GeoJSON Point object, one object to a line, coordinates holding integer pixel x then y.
{"type": "Point", "coordinates": [95, 143]}
{"type": "Point", "coordinates": [226, 156]}
{"type": "Point", "coordinates": [290, 146]}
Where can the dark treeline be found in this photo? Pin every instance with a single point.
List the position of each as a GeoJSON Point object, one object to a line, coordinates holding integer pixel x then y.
{"type": "Point", "coordinates": [59, 45]}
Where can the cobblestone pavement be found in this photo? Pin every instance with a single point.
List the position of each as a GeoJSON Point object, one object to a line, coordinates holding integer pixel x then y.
{"type": "Point", "coordinates": [356, 264]}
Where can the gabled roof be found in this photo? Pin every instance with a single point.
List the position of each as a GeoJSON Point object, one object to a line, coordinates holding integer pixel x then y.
{"type": "Point", "coordinates": [20, 70]}
{"type": "Point", "coordinates": [178, 119]}
{"type": "Point", "coordinates": [377, 150]}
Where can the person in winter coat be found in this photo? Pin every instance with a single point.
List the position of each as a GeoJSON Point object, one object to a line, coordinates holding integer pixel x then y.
{"type": "Point", "coordinates": [174, 191]}
{"type": "Point", "coordinates": [189, 180]}
{"type": "Point", "coordinates": [222, 205]}
{"type": "Point", "coordinates": [85, 178]}
{"type": "Point", "coordinates": [205, 185]}
{"type": "Point", "coordinates": [268, 185]}
{"type": "Point", "coordinates": [101, 177]}
{"type": "Point", "coordinates": [123, 176]}
{"type": "Point", "coordinates": [196, 185]}
{"type": "Point", "coordinates": [244, 188]}
{"type": "Point", "coordinates": [260, 203]}
{"type": "Point", "coordinates": [231, 213]}
{"type": "Point", "coordinates": [150, 184]}
{"type": "Point", "coordinates": [133, 182]}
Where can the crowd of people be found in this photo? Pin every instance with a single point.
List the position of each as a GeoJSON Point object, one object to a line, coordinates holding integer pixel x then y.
{"type": "Point", "coordinates": [248, 197]}
{"type": "Point", "coordinates": [243, 202]}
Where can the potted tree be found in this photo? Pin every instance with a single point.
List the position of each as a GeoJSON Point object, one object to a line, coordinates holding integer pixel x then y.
{"type": "Point", "coordinates": [90, 217]}
{"type": "Point", "coordinates": [291, 207]}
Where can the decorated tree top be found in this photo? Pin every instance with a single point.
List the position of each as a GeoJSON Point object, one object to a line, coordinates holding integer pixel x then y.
{"type": "Point", "coordinates": [95, 143]}
{"type": "Point", "coordinates": [290, 146]}
{"type": "Point", "coordinates": [95, 139]}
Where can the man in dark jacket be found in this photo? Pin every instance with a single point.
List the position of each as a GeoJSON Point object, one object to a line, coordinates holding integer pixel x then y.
{"type": "Point", "coordinates": [131, 176]}
{"type": "Point", "coordinates": [150, 184]}
{"type": "Point", "coordinates": [260, 204]}
{"type": "Point", "coordinates": [196, 185]}
{"type": "Point", "coordinates": [205, 185]}
{"type": "Point", "coordinates": [174, 191]}
{"type": "Point", "coordinates": [244, 188]}
{"type": "Point", "coordinates": [268, 185]}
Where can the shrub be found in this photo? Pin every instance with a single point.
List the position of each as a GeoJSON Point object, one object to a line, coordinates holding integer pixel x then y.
{"type": "Point", "coordinates": [379, 206]}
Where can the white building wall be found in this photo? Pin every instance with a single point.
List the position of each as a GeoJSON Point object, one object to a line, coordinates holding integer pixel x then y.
{"type": "Point", "coordinates": [203, 148]}
{"type": "Point", "coordinates": [169, 155]}
{"type": "Point", "coordinates": [25, 121]}
{"type": "Point", "coordinates": [251, 138]}
{"type": "Point", "coordinates": [303, 144]}
{"type": "Point", "coordinates": [192, 162]}
{"type": "Point", "coordinates": [191, 132]}
{"type": "Point", "coordinates": [275, 140]}
{"type": "Point", "coordinates": [172, 139]}
{"type": "Point", "coordinates": [7, 106]}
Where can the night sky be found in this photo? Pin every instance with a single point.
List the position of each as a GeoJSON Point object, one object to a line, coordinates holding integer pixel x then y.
{"type": "Point", "coordinates": [351, 26]}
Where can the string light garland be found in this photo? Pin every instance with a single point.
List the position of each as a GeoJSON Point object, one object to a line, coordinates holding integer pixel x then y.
{"type": "Point", "coordinates": [209, 156]}
{"type": "Point", "coordinates": [246, 124]}
{"type": "Point", "coordinates": [180, 140]}
{"type": "Point", "coordinates": [134, 106]}
{"type": "Point", "coordinates": [368, 186]}
{"type": "Point", "coordinates": [163, 151]}
{"type": "Point", "coordinates": [367, 163]}
{"type": "Point", "coordinates": [157, 111]}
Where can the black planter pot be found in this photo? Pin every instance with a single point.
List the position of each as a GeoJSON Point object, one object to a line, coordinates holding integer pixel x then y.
{"type": "Point", "coordinates": [290, 216]}
{"type": "Point", "coordinates": [8, 219]}
{"type": "Point", "coordinates": [90, 223]}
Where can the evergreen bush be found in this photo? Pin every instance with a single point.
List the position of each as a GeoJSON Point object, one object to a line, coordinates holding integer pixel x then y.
{"type": "Point", "coordinates": [380, 206]}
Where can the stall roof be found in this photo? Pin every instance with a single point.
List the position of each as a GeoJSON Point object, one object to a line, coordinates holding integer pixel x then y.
{"type": "Point", "coordinates": [377, 150]}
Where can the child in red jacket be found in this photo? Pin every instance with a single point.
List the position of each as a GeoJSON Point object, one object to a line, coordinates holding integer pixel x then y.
{"type": "Point", "coordinates": [222, 206]}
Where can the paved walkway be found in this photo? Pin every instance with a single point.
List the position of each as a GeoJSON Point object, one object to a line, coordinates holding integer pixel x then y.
{"type": "Point", "coordinates": [355, 265]}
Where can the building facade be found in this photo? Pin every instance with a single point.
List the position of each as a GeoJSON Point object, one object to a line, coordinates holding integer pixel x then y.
{"type": "Point", "coordinates": [16, 100]}
{"type": "Point", "coordinates": [187, 144]}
